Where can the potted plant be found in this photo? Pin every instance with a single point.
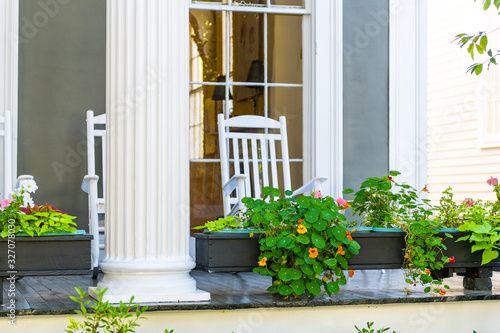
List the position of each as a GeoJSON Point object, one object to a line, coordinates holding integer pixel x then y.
{"type": "Point", "coordinates": [396, 208]}
{"type": "Point", "coordinates": [61, 250]}
{"type": "Point", "coordinates": [307, 243]}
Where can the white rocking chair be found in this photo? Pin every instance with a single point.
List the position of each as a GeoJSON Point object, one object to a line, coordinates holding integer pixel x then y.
{"type": "Point", "coordinates": [256, 152]}
{"type": "Point", "coordinates": [95, 129]}
{"type": "Point", "coordinates": [9, 157]}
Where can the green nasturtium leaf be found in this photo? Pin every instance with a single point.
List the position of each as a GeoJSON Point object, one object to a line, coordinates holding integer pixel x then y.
{"type": "Point", "coordinates": [332, 262]}
{"type": "Point", "coordinates": [332, 287]}
{"type": "Point", "coordinates": [298, 287]}
{"type": "Point", "coordinates": [304, 239]}
{"type": "Point", "coordinates": [318, 241]}
{"type": "Point", "coordinates": [327, 214]}
{"type": "Point", "coordinates": [313, 287]}
{"type": "Point", "coordinates": [318, 268]}
{"type": "Point", "coordinates": [307, 269]}
{"type": "Point", "coordinates": [285, 290]}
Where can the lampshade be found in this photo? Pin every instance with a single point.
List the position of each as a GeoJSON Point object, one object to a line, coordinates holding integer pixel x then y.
{"type": "Point", "coordinates": [256, 72]}
{"type": "Point", "coordinates": [220, 91]}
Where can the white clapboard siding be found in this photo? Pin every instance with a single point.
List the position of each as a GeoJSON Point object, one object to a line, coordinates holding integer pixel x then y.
{"type": "Point", "coordinates": [455, 157]}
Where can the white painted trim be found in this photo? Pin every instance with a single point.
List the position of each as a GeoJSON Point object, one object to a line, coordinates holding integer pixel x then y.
{"type": "Point", "coordinates": [9, 46]}
{"type": "Point", "coordinates": [328, 94]}
{"type": "Point", "coordinates": [407, 91]}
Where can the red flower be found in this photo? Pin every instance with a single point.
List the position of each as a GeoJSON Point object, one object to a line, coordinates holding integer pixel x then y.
{"type": "Point", "coordinates": [442, 292]}
{"type": "Point", "coordinates": [451, 259]}
{"type": "Point", "coordinates": [425, 189]}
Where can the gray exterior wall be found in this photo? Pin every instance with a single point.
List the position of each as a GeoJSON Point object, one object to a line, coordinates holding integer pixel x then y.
{"type": "Point", "coordinates": [62, 58]}
{"type": "Point", "coordinates": [366, 90]}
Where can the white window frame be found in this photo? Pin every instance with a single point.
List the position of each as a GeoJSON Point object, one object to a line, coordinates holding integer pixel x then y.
{"type": "Point", "coordinates": [322, 86]}
{"type": "Point", "coordinates": [9, 50]}
{"type": "Point", "coordinates": [487, 112]}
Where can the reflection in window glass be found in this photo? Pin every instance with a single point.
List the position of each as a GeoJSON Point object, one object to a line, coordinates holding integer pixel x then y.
{"type": "Point", "coordinates": [284, 48]}
{"type": "Point", "coordinates": [299, 3]}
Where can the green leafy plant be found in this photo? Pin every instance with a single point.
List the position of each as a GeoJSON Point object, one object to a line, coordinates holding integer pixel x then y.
{"type": "Point", "coordinates": [105, 317]}
{"type": "Point", "coordinates": [376, 203]}
{"type": "Point", "coordinates": [369, 329]}
{"type": "Point", "coordinates": [479, 43]}
{"type": "Point", "coordinates": [306, 245]}
{"type": "Point", "coordinates": [480, 219]}
{"type": "Point", "coordinates": [382, 202]}
{"type": "Point", "coordinates": [19, 214]}
{"type": "Point", "coordinates": [424, 254]}
{"type": "Point", "coordinates": [228, 222]}
{"type": "Point", "coordinates": [448, 212]}
{"type": "Point", "coordinates": [483, 231]}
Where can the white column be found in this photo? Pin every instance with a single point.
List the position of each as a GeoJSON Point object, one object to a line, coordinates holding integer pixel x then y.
{"type": "Point", "coordinates": [408, 91]}
{"type": "Point", "coordinates": [9, 45]}
{"type": "Point", "coordinates": [147, 211]}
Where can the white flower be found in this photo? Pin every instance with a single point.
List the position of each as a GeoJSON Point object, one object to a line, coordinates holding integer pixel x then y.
{"type": "Point", "coordinates": [27, 200]}
{"type": "Point", "coordinates": [30, 185]}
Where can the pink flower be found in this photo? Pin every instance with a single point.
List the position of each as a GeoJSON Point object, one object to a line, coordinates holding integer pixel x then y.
{"type": "Point", "coordinates": [342, 203]}
{"type": "Point", "coordinates": [5, 202]}
{"type": "Point", "coordinates": [469, 202]}
{"type": "Point", "coordinates": [492, 181]}
{"type": "Point", "coordinates": [317, 194]}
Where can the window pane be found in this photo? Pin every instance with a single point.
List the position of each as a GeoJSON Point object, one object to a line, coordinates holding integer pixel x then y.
{"type": "Point", "coordinates": [218, 2]}
{"type": "Point", "coordinates": [285, 49]}
{"type": "Point", "coordinates": [288, 102]}
{"type": "Point", "coordinates": [203, 112]}
{"type": "Point", "coordinates": [248, 49]}
{"type": "Point", "coordinates": [205, 193]}
{"type": "Point", "coordinates": [300, 3]}
{"type": "Point", "coordinates": [250, 102]}
{"type": "Point", "coordinates": [207, 31]}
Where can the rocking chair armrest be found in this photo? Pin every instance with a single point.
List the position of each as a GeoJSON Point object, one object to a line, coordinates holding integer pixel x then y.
{"type": "Point", "coordinates": [87, 180]}
{"type": "Point", "coordinates": [313, 184]}
{"type": "Point", "coordinates": [232, 183]}
{"type": "Point", "coordinates": [23, 178]}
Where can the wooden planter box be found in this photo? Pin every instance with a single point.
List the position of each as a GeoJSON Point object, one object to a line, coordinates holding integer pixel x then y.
{"type": "Point", "coordinates": [227, 252]}
{"type": "Point", "coordinates": [220, 252]}
{"type": "Point", "coordinates": [46, 255]}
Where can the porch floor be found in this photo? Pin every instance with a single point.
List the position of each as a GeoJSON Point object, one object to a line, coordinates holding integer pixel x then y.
{"type": "Point", "coordinates": [49, 295]}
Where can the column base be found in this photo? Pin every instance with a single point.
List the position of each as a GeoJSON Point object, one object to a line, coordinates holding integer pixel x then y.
{"type": "Point", "coordinates": [149, 282]}
{"type": "Point", "coordinates": [195, 296]}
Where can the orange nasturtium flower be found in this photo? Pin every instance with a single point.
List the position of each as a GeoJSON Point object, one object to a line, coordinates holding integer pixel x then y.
{"type": "Point", "coordinates": [300, 221]}
{"type": "Point", "coordinates": [351, 272]}
{"type": "Point", "coordinates": [263, 262]}
{"type": "Point", "coordinates": [425, 189]}
{"type": "Point", "coordinates": [442, 292]}
{"type": "Point", "coordinates": [313, 253]}
{"type": "Point", "coordinates": [301, 229]}
{"type": "Point", "coordinates": [348, 234]}
{"type": "Point", "coordinates": [427, 271]}
{"type": "Point", "coordinates": [340, 251]}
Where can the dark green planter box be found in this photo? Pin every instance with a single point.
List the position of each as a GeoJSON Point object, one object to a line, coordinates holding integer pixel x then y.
{"type": "Point", "coordinates": [227, 252]}
{"type": "Point", "coordinates": [47, 255]}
